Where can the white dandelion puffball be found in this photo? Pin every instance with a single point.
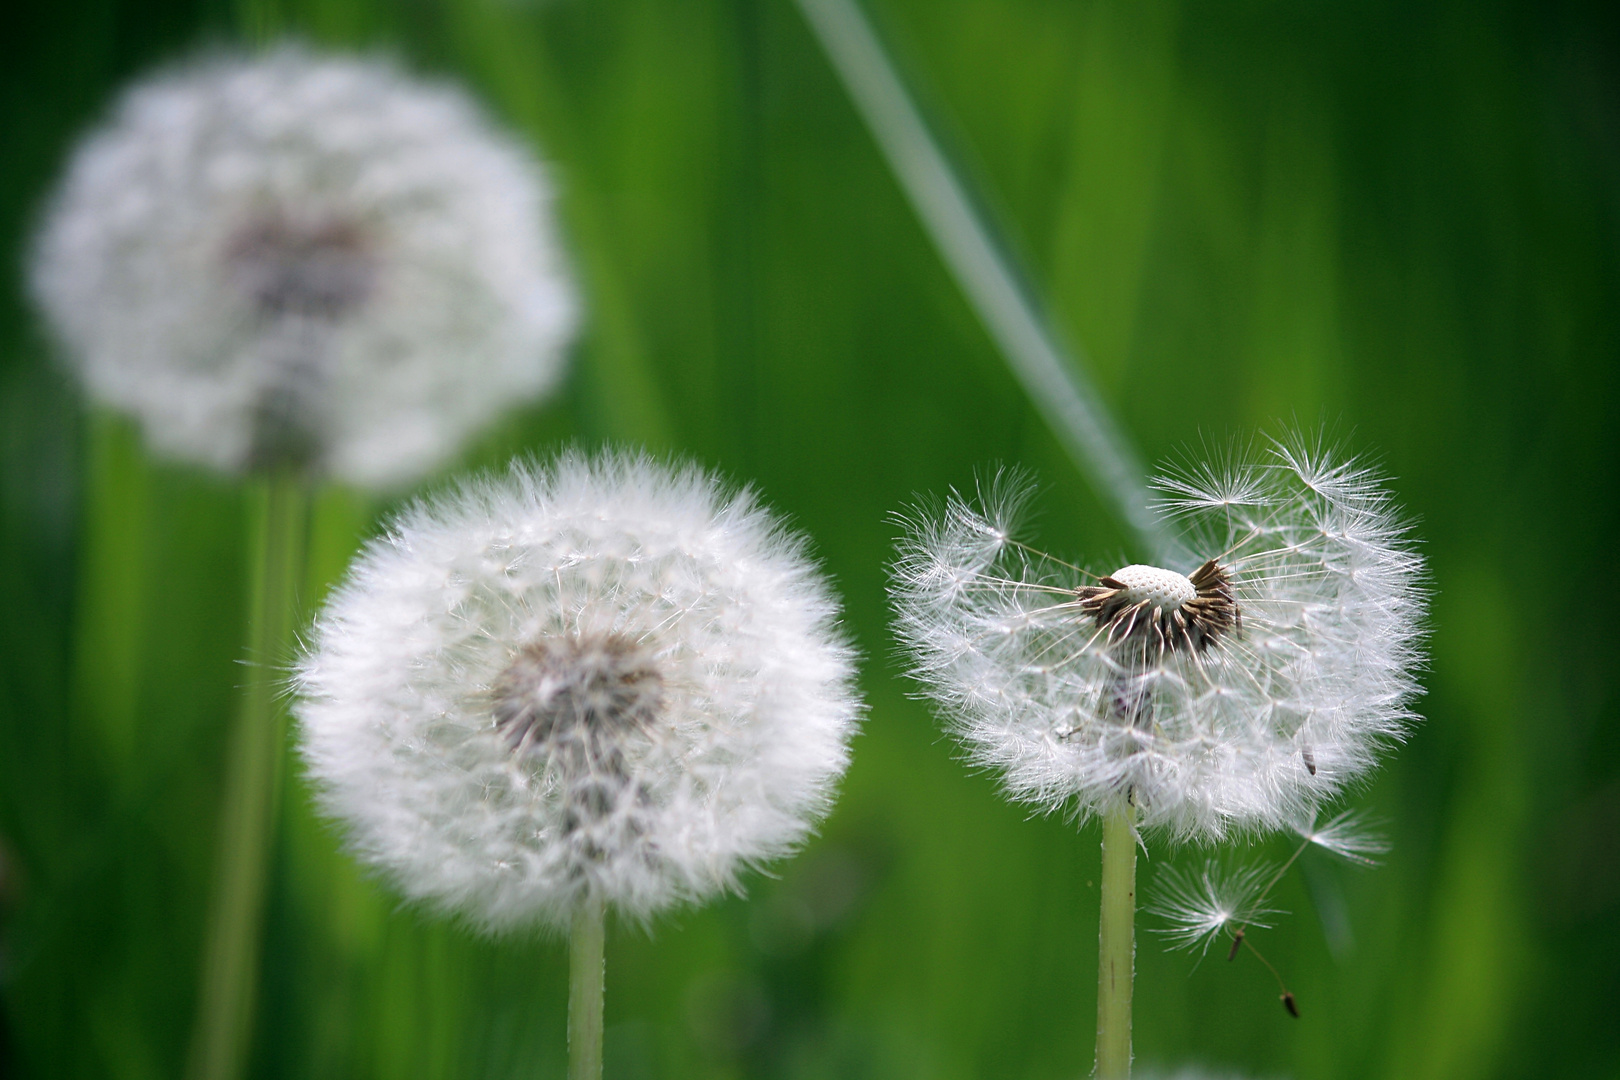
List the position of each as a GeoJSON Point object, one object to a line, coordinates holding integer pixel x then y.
{"type": "Point", "coordinates": [1239, 689]}
{"type": "Point", "coordinates": [308, 259]}
{"type": "Point", "coordinates": [598, 679]}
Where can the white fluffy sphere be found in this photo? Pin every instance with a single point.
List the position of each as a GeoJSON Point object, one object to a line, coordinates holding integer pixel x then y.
{"type": "Point", "coordinates": [294, 255]}
{"type": "Point", "coordinates": [601, 678]}
{"type": "Point", "coordinates": [1240, 690]}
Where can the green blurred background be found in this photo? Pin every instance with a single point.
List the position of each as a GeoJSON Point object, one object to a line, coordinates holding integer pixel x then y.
{"type": "Point", "coordinates": [1399, 220]}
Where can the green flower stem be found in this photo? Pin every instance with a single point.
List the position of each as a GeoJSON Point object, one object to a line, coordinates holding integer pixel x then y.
{"type": "Point", "coordinates": [585, 970]}
{"type": "Point", "coordinates": [1116, 944]}
{"type": "Point", "coordinates": [230, 972]}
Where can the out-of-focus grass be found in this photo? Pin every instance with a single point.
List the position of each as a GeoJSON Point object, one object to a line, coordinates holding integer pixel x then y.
{"type": "Point", "coordinates": [1400, 220]}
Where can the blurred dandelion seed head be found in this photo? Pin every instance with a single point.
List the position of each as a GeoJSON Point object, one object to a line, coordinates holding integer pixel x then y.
{"type": "Point", "coordinates": [1241, 694]}
{"type": "Point", "coordinates": [600, 677]}
{"type": "Point", "coordinates": [320, 266]}
{"type": "Point", "coordinates": [308, 259]}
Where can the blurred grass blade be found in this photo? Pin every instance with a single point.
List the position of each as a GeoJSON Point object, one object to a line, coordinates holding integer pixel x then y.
{"type": "Point", "coordinates": [622, 400]}
{"type": "Point", "coordinates": [983, 268]}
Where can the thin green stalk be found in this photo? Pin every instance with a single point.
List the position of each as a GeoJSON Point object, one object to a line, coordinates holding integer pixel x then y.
{"type": "Point", "coordinates": [114, 594]}
{"type": "Point", "coordinates": [1116, 944]}
{"type": "Point", "coordinates": [1051, 375]}
{"type": "Point", "coordinates": [585, 971]}
{"type": "Point", "coordinates": [230, 972]}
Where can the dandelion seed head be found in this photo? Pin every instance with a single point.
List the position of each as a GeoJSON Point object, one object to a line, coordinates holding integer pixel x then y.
{"type": "Point", "coordinates": [304, 259]}
{"type": "Point", "coordinates": [602, 678]}
{"type": "Point", "coordinates": [1239, 690]}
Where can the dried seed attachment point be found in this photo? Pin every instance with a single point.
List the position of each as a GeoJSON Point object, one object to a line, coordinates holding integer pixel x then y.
{"type": "Point", "coordinates": [570, 695]}
{"type": "Point", "coordinates": [301, 275]}
{"type": "Point", "coordinates": [1154, 611]}
{"type": "Point", "coordinates": [567, 707]}
{"type": "Point", "coordinates": [315, 265]}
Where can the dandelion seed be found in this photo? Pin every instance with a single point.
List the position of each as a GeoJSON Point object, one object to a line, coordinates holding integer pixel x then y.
{"type": "Point", "coordinates": [293, 259]}
{"type": "Point", "coordinates": [1214, 901]}
{"type": "Point", "coordinates": [601, 681]}
{"type": "Point", "coordinates": [1349, 835]}
{"type": "Point", "coordinates": [1241, 691]}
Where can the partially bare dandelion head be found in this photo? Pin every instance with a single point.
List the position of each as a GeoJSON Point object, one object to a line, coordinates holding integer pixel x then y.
{"type": "Point", "coordinates": [1241, 690]}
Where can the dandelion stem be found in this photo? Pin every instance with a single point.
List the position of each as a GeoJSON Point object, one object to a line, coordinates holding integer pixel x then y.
{"type": "Point", "coordinates": [585, 971]}
{"type": "Point", "coordinates": [1116, 944]}
{"type": "Point", "coordinates": [230, 970]}
{"type": "Point", "coordinates": [1053, 378]}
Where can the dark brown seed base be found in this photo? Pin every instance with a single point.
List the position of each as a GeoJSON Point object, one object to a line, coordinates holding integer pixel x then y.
{"type": "Point", "coordinates": [1192, 627]}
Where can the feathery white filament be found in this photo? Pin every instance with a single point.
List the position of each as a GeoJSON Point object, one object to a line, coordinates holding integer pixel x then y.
{"type": "Point", "coordinates": [1199, 907]}
{"type": "Point", "coordinates": [1247, 707]}
{"type": "Point", "coordinates": [601, 677]}
{"type": "Point", "coordinates": [306, 257]}
{"type": "Point", "coordinates": [1348, 835]}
